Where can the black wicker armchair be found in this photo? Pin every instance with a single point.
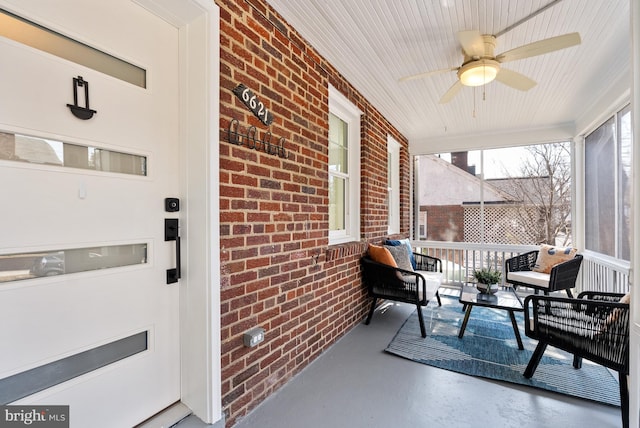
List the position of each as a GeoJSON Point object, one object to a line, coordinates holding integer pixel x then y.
{"type": "Point", "coordinates": [519, 272]}
{"type": "Point", "coordinates": [594, 326]}
{"type": "Point", "coordinates": [389, 283]}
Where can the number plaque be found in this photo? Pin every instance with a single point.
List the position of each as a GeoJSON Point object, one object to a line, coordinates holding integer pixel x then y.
{"type": "Point", "coordinates": [253, 103]}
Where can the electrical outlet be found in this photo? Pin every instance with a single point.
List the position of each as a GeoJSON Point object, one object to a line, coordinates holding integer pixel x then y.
{"type": "Point", "coordinates": [253, 337]}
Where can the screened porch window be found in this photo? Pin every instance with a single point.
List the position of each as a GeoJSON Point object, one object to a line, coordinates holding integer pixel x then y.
{"type": "Point", "coordinates": [516, 195]}
{"type": "Point", "coordinates": [608, 187]}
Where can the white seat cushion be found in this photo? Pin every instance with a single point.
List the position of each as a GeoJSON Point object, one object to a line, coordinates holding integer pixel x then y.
{"type": "Point", "coordinates": [537, 279]}
{"type": "Point", "coordinates": [432, 282]}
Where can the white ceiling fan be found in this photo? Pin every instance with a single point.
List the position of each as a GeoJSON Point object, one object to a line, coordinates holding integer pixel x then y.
{"type": "Point", "coordinates": [481, 66]}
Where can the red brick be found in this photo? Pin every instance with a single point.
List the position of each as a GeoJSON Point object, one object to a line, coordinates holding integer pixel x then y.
{"type": "Point", "coordinates": [275, 266]}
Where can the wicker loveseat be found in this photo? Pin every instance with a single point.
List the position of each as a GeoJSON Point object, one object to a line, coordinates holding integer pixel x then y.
{"type": "Point", "coordinates": [520, 272]}
{"type": "Point", "coordinates": [415, 287]}
{"type": "Point", "coordinates": [594, 326]}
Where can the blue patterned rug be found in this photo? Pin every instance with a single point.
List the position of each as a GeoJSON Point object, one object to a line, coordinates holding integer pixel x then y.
{"type": "Point", "coordinates": [489, 349]}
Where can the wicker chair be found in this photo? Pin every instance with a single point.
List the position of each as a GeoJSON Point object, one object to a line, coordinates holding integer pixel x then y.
{"type": "Point", "coordinates": [594, 326]}
{"type": "Point", "coordinates": [389, 283]}
{"type": "Point", "coordinates": [519, 272]}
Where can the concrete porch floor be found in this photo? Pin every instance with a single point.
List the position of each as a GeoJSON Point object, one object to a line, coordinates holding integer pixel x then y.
{"type": "Point", "coordinates": [355, 384]}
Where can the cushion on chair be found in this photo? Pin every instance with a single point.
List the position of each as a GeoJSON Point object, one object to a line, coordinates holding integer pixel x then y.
{"type": "Point", "coordinates": [401, 256]}
{"type": "Point", "coordinates": [615, 314]}
{"type": "Point", "coordinates": [549, 256]}
{"type": "Point", "coordinates": [538, 279]}
{"type": "Point", "coordinates": [626, 298]}
{"type": "Point", "coordinates": [381, 255]}
{"type": "Point", "coordinates": [432, 280]}
{"type": "Point", "coordinates": [406, 243]}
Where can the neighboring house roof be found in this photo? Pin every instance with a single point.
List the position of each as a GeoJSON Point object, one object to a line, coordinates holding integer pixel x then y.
{"type": "Point", "coordinates": [517, 187]}
{"type": "Point", "coordinates": [37, 151]}
{"type": "Point", "coordinates": [34, 150]}
{"type": "Point", "coordinates": [442, 183]}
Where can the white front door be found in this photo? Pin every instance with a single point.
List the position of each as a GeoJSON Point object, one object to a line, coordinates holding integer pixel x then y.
{"type": "Point", "coordinates": [93, 324]}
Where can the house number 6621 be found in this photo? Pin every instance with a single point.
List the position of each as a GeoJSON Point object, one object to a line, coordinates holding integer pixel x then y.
{"type": "Point", "coordinates": [253, 103]}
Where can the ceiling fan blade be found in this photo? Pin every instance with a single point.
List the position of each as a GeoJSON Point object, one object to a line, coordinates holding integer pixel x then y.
{"type": "Point", "coordinates": [472, 43]}
{"type": "Point", "coordinates": [427, 74]}
{"type": "Point", "coordinates": [453, 90]}
{"type": "Point", "coordinates": [540, 47]}
{"type": "Point", "coordinates": [515, 80]}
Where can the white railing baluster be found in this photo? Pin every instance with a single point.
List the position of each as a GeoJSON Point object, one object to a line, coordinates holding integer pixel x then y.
{"type": "Point", "coordinates": [461, 259]}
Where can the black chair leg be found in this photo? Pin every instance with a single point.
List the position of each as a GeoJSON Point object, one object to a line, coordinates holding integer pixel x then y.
{"type": "Point", "coordinates": [373, 308]}
{"type": "Point", "coordinates": [624, 399]}
{"type": "Point", "coordinates": [438, 297]}
{"type": "Point", "coordinates": [569, 293]}
{"type": "Point", "coordinates": [421, 318]}
{"type": "Point", "coordinates": [577, 362]}
{"type": "Point", "coordinates": [535, 360]}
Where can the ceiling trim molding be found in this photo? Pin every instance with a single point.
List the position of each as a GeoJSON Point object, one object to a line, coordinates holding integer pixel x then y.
{"type": "Point", "coordinates": [613, 99]}
{"type": "Point", "coordinates": [520, 137]}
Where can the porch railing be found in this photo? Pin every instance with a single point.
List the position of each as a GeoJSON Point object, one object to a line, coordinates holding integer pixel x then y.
{"type": "Point", "coordinates": [602, 273]}
{"type": "Point", "coordinates": [461, 259]}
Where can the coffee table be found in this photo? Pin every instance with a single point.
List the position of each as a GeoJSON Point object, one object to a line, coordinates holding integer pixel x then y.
{"type": "Point", "coordinates": [506, 299]}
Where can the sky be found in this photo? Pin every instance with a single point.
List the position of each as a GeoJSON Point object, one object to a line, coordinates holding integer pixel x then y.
{"type": "Point", "coordinates": [499, 163]}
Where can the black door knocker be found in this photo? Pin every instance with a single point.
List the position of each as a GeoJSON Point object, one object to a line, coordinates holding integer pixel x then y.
{"type": "Point", "coordinates": [85, 112]}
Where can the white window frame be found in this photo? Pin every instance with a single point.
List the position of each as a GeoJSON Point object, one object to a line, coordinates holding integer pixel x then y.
{"type": "Point", "coordinates": [344, 109]}
{"type": "Point", "coordinates": [393, 183]}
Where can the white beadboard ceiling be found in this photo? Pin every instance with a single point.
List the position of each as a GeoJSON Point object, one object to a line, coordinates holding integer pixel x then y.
{"type": "Point", "coordinates": [373, 43]}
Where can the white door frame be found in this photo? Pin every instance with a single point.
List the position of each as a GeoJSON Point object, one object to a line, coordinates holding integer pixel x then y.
{"type": "Point", "coordinates": [199, 28]}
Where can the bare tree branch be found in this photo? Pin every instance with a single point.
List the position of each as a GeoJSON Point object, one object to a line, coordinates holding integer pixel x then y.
{"type": "Point", "coordinates": [542, 194]}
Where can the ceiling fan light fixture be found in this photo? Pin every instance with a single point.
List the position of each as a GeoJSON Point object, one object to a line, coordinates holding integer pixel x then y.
{"type": "Point", "coordinates": [479, 72]}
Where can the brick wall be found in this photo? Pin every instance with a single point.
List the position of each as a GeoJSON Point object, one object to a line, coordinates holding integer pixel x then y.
{"type": "Point", "coordinates": [278, 271]}
{"type": "Point", "coordinates": [445, 223]}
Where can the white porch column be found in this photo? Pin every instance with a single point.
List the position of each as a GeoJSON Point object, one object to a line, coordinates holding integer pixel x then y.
{"type": "Point", "coordinates": [634, 370]}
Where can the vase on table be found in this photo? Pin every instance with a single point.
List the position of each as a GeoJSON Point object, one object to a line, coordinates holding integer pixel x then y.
{"type": "Point", "coordinates": [487, 288]}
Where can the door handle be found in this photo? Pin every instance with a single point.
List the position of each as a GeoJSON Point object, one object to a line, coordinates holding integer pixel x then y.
{"type": "Point", "coordinates": [171, 234]}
